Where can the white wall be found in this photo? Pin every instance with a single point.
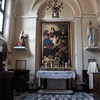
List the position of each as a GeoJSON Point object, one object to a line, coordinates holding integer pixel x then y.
{"type": "Point", "coordinates": [78, 45]}
{"type": "Point", "coordinates": [48, 13]}
{"type": "Point", "coordinates": [88, 54]}
{"type": "Point", "coordinates": [28, 18]}
{"type": "Point", "coordinates": [28, 25]}
{"type": "Point", "coordinates": [9, 23]}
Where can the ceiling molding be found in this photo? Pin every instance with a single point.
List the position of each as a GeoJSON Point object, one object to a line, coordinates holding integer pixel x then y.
{"type": "Point", "coordinates": [89, 16]}
{"type": "Point", "coordinates": [95, 6]}
{"type": "Point", "coordinates": [26, 17]}
{"type": "Point", "coordinates": [55, 19]}
{"type": "Point", "coordinates": [71, 7]}
{"type": "Point", "coordinates": [33, 4]}
{"type": "Point", "coordinates": [78, 5]}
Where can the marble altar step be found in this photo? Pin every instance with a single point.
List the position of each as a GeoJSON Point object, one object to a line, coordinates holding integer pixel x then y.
{"type": "Point", "coordinates": [56, 91]}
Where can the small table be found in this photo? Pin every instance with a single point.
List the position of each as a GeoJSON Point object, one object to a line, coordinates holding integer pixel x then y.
{"type": "Point", "coordinates": [56, 75]}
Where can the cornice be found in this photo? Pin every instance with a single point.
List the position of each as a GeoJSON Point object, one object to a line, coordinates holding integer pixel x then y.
{"type": "Point", "coordinates": [25, 16]}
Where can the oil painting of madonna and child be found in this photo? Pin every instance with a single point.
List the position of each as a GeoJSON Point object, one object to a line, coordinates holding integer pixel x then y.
{"type": "Point", "coordinates": [56, 44]}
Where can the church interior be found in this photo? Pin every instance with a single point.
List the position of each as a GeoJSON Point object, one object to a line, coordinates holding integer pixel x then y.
{"type": "Point", "coordinates": [49, 49]}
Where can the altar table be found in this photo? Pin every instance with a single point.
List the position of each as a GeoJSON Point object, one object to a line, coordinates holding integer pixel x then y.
{"type": "Point", "coordinates": [55, 75]}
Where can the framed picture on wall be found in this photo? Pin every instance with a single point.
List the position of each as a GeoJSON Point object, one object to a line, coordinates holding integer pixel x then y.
{"type": "Point", "coordinates": [57, 42]}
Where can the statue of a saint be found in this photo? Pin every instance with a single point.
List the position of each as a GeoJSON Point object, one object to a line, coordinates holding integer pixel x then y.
{"type": "Point", "coordinates": [22, 38]}
{"type": "Point", "coordinates": [91, 35]}
{"type": "Point", "coordinates": [55, 8]}
{"type": "Point", "coordinates": [55, 12]}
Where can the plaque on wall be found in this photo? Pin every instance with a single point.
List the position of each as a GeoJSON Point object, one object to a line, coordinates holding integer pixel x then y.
{"type": "Point", "coordinates": [56, 43]}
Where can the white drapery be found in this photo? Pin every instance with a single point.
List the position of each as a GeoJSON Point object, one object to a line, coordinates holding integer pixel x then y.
{"type": "Point", "coordinates": [92, 67]}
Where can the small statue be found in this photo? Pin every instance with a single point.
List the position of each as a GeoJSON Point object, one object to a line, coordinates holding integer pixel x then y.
{"type": "Point", "coordinates": [22, 38]}
{"type": "Point", "coordinates": [91, 35]}
{"type": "Point", "coordinates": [66, 64]}
{"type": "Point", "coordinates": [55, 8]}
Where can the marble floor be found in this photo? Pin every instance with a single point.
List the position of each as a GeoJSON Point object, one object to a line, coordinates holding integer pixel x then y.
{"type": "Point", "coordinates": [44, 96]}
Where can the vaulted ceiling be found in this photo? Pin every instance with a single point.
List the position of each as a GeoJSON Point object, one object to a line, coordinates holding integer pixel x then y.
{"type": "Point", "coordinates": [78, 7]}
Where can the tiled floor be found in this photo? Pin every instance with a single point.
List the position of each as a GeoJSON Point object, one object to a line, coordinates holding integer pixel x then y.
{"type": "Point", "coordinates": [44, 96]}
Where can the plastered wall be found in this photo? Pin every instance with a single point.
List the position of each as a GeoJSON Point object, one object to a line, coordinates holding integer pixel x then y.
{"type": "Point", "coordinates": [27, 16]}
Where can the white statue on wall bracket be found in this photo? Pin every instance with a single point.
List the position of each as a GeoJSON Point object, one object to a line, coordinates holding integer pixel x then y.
{"type": "Point", "coordinates": [90, 34]}
{"type": "Point", "coordinates": [22, 38]}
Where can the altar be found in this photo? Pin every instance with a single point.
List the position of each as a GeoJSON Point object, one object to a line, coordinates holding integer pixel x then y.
{"type": "Point", "coordinates": [55, 79]}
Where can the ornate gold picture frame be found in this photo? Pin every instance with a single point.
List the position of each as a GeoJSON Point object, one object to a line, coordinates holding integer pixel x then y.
{"type": "Point", "coordinates": [57, 42]}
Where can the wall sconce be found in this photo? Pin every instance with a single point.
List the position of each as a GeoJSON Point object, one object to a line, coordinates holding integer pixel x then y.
{"type": "Point", "coordinates": [56, 8]}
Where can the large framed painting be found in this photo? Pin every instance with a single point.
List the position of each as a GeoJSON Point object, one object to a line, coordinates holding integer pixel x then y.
{"type": "Point", "coordinates": [56, 43]}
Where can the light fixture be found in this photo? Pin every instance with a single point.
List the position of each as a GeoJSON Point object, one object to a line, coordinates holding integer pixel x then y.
{"type": "Point", "coordinates": [55, 7]}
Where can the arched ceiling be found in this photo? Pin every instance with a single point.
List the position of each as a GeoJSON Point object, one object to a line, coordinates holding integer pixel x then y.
{"type": "Point", "coordinates": [95, 5]}
{"type": "Point", "coordinates": [78, 7]}
{"type": "Point", "coordinates": [72, 4]}
{"type": "Point", "coordinates": [87, 7]}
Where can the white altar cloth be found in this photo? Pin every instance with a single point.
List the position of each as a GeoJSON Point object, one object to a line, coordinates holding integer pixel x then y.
{"type": "Point", "coordinates": [56, 74]}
